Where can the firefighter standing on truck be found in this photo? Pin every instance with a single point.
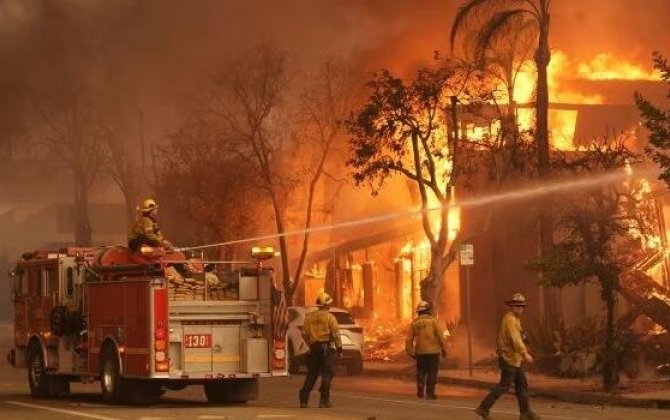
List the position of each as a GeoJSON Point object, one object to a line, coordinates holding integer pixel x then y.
{"type": "Point", "coordinates": [425, 343]}
{"type": "Point", "coordinates": [511, 351]}
{"type": "Point", "coordinates": [147, 231]}
{"type": "Point", "coordinates": [322, 333]}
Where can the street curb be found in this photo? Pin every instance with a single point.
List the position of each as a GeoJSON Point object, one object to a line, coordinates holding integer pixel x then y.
{"type": "Point", "coordinates": [559, 395]}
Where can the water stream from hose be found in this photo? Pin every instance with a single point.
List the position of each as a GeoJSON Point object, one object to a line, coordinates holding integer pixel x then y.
{"type": "Point", "coordinates": [520, 194]}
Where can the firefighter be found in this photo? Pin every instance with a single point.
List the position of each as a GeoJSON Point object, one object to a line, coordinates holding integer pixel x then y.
{"type": "Point", "coordinates": [425, 343]}
{"type": "Point", "coordinates": [322, 333]}
{"type": "Point", "coordinates": [512, 352]}
{"type": "Point", "coordinates": [146, 230]}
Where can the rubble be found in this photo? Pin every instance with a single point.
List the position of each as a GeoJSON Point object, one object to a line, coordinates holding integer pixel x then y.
{"type": "Point", "coordinates": [384, 339]}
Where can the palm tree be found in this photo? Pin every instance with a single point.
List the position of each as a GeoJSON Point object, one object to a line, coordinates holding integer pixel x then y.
{"type": "Point", "coordinates": [499, 16]}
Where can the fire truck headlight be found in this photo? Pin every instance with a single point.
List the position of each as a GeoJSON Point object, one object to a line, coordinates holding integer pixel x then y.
{"type": "Point", "coordinates": [262, 252]}
{"type": "Point", "coordinates": [160, 356]}
{"type": "Point", "coordinates": [280, 354]}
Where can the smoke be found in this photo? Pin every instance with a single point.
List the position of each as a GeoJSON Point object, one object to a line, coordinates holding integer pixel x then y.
{"type": "Point", "coordinates": [149, 54]}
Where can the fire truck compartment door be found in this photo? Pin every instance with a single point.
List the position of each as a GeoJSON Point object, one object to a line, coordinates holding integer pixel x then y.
{"type": "Point", "coordinates": [221, 354]}
{"type": "Point", "coordinates": [226, 348]}
{"type": "Point", "coordinates": [196, 357]}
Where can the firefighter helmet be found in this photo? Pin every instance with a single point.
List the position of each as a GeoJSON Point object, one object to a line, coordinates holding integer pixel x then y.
{"type": "Point", "coordinates": [423, 306]}
{"type": "Point", "coordinates": [148, 205]}
{"type": "Point", "coordinates": [517, 299]}
{"type": "Point", "coordinates": [324, 299]}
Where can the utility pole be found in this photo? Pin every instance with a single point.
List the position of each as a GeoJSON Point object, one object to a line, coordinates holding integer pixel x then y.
{"type": "Point", "coordinates": [467, 261]}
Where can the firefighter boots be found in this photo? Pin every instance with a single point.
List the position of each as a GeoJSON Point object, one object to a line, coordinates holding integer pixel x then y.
{"type": "Point", "coordinates": [483, 413]}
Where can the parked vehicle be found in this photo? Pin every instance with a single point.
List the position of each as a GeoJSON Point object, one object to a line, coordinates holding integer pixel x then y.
{"type": "Point", "coordinates": [351, 332]}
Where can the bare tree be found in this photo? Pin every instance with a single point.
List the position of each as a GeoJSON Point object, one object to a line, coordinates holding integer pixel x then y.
{"type": "Point", "coordinates": [323, 106]}
{"type": "Point", "coordinates": [204, 189]}
{"type": "Point", "coordinates": [76, 137]}
{"type": "Point", "coordinates": [284, 138]}
{"type": "Point", "coordinates": [122, 170]}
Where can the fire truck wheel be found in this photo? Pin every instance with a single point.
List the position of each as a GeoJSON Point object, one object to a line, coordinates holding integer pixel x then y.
{"type": "Point", "coordinates": [111, 381]}
{"type": "Point", "coordinates": [38, 381]}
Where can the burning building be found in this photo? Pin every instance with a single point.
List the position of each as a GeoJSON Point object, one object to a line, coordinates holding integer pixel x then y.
{"type": "Point", "coordinates": [376, 271]}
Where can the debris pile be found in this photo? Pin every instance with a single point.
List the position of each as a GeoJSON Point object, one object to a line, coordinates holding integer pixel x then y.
{"type": "Point", "coordinates": [384, 339]}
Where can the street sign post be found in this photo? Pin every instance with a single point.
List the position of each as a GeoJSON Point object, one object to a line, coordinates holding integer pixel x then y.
{"type": "Point", "coordinates": [467, 255]}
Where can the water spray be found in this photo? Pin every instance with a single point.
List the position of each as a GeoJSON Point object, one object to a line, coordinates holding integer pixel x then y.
{"type": "Point", "coordinates": [514, 195]}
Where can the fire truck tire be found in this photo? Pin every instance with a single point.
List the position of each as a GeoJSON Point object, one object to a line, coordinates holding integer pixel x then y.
{"type": "Point", "coordinates": [232, 391]}
{"type": "Point", "coordinates": [38, 380]}
{"type": "Point", "coordinates": [111, 382]}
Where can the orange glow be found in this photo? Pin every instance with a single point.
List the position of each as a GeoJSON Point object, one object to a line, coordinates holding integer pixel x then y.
{"type": "Point", "coordinates": [561, 70]}
{"type": "Point", "coordinates": [605, 66]}
{"type": "Point", "coordinates": [562, 124]}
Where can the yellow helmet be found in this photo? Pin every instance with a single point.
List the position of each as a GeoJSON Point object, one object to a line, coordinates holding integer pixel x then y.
{"type": "Point", "coordinates": [323, 299]}
{"type": "Point", "coordinates": [517, 299]}
{"type": "Point", "coordinates": [423, 306]}
{"type": "Point", "coordinates": [148, 205]}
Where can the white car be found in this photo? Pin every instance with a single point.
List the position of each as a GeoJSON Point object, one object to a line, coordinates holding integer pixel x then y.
{"type": "Point", "coordinates": [350, 332]}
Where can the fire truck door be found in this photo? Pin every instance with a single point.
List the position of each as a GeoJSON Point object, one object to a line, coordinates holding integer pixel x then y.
{"type": "Point", "coordinates": [38, 318]}
{"type": "Point", "coordinates": [212, 348]}
{"type": "Point", "coordinates": [226, 348]}
{"type": "Point", "coordinates": [21, 296]}
{"type": "Point", "coordinates": [70, 283]}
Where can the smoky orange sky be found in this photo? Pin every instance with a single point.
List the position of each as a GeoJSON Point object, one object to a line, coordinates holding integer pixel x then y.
{"type": "Point", "coordinates": [149, 54]}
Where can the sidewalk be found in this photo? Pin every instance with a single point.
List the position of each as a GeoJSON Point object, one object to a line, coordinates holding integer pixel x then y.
{"type": "Point", "coordinates": [640, 394]}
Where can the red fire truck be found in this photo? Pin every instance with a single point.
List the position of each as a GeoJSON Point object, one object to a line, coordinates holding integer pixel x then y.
{"type": "Point", "coordinates": [141, 322]}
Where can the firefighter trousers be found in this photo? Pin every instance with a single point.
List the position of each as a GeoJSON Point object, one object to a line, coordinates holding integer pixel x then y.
{"type": "Point", "coordinates": [426, 373]}
{"type": "Point", "coordinates": [320, 362]}
{"type": "Point", "coordinates": [509, 374]}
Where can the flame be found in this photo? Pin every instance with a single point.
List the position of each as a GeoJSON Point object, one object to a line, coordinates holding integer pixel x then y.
{"type": "Point", "coordinates": [605, 66]}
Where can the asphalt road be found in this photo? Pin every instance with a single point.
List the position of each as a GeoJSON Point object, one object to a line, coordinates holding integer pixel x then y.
{"type": "Point", "coordinates": [357, 398]}
{"type": "Point", "coordinates": [353, 398]}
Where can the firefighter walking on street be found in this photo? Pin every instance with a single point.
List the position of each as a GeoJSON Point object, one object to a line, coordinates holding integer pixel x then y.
{"type": "Point", "coordinates": [425, 343]}
{"type": "Point", "coordinates": [322, 333]}
{"type": "Point", "coordinates": [512, 352]}
{"type": "Point", "coordinates": [146, 230]}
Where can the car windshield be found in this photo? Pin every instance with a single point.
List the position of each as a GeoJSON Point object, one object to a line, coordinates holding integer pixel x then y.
{"type": "Point", "coordinates": [343, 318]}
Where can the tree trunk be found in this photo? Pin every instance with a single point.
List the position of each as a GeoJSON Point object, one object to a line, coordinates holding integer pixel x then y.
{"type": "Point", "coordinates": [542, 58]}
{"type": "Point", "coordinates": [610, 357]}
{"type": "Point", "coordinates": [83, 233]}
{"type": "Point", "coordinates": [283, 249]}
{"type": "Point", "coordinates": [432, 283]}
{"type": "Point", "coordinates": [545, 222]}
